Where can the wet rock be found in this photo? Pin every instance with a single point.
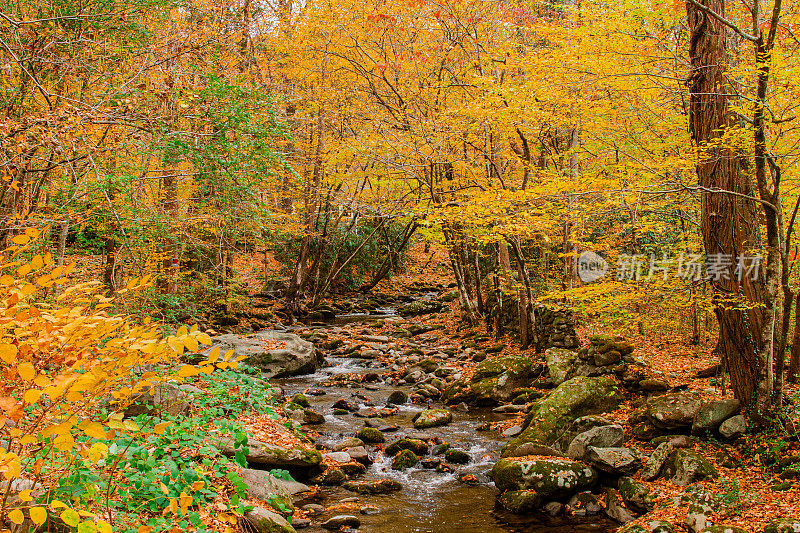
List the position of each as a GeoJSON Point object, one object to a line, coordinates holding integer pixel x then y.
{"type": "Point", "coordinates": [313, 509]}
{"type": "Point", "coordinates": [734, 427]}
{"type": "Point", "coordinates": [344, 405]}
{"type": "Point", "coordinates": [783, 525]}
{"type": "Point", "coordinates": [301, 523]}
{"type": "Point", "coordinates": [417, 446]}
{"type": "Point", "coordinates": [458, 457]}
{"type": "Point", "coordinates": [572, 399]}
{"type": "Point", "coordinates": [654, 464]}
{"type": "Point", "coordinates": [554, 508]}
{"type": "Point", "coordinates": [440, 449]}
{"type": "Point", "coordinates": [397, 397]}
{"type": "Point", "coordinates": [360, 454]}
{"type": "Point", "coordinates": [352, 442]}
{"type": "Point", "coordinates": [339, 457]}
{"type": "Point", "coordinates": [615, 461]}
{"type": "Point", "coordinates": [584, 504]}
{"type": "Point", "coordinates": [296, 356]}
{"type": "Point", "coordinates": [655, 526]}
{"type": "Point", "coordinates": [266, 521]}
{"type": "Point", "coordinates": [520, 501]}
{"type": "Point", "coordinates": [687, 466]}
{"type": "Point", "coordinates": [371, 435]}
{"type": "Point", "coordinates": [636, 495]}
{"type": "Point", "coordinates": [468, 479]}
{"type": "Point", "coordinates": [599, 437]}
{"type": "Point", "coordinates": [380, 486]}
{"type": "Point", "coordinates": [494, 381]}
{"type": "Point", "coordinates": [339, 521]}
{"type": "Point", "coordinates": [432, 418]}
{"type": "Point", "coordinates": [530, 448]}
{"type": "Point", "coordinates": [509, 409]}
{"type": "Point", "coordinates": [369, 510]}
{"type": "Point", "coordinates": [404, 460]}
{"type": "Point", "coordinates": [723, 529]}
{"type": "Point", "coordinates": [712, 414]}
{"type": "Point", "coordinates": [550, 477]}
{"type": "Point", "coordinates": [513, 431]}
{"type": "Point", "coordinates": [301, 400]}
{"type": "Point", "coordinates": [431, 462]}
{"type": "Point", "coordinates": [311, 417]}
{"type": "Point", "coordinates": [331, 477]}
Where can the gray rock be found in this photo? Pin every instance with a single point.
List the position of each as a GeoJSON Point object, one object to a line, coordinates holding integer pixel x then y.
{"type": "Point", "coordinates": [615, 509]}
{"type": "Point", "coordinates": [712, 414]}
{"type": "Point", "coordinates": [656, 461]}
{"type": "Point", "coordinates": [295, 356]}
{"type": "Point", "coordinates": [530, 448]}
{"type": "Point", "coordinates": [432, 418]}
{"type": "Point", "coordinates": [380, 486]}
{"type": "Point", "coordinates": [551, 478]}
{"type": "Point", "coordinates": [273, 455]}
{"type": "Point", "coordinates": [339, 457]}
{"type": "Point", "coordinates": [734, 427]}
{"type": "Point", "coordinates": [636, 495]}
{"type": "Point", "coordinates": [615, 461]}
{"type": "Point", "coordinates": [513, 431]}
{"type": "Point", "coordinates": [560, 364]}
{"type": "Point", "coordinates": [584, 504]}
{"type": "Point", "coordinates": [687, 466]}
{"type": "Point", "coordinates": [672, 411]}
{"type": "Point", "coordinates": [266, 521]}
{"type": "Point", "coordinates": [261, 484]}
{"type": "Point", "coordinates": [599, 437]}
{"type": "Point", "coordinates": [339, 521]}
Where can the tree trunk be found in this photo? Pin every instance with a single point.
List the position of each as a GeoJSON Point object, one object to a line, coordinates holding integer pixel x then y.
{"type": "Point", "coordinates": [728, 218]}
{"type": "Point", "coordinates": [794, 362]}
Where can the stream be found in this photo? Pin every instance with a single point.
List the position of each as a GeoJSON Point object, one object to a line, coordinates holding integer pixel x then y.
{"type": "Point", "coordinates": [430, 501]}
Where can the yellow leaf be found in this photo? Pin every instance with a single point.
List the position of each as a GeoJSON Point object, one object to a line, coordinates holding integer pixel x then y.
{"type": "Point", "coordinates": [87, 527]}
{"type": "Point", "coordinates": [28, 289]}
{"type": "Point", "coordinates": [159, 428]}
{"type": "Point", "coordinates": [32, 395]}
{"type": "Point", "coordinates": [191, 344]}
{"type": "Point", "coordinates": [207, 369]}
{"type": "Point", "coordinates": [197, 485]}
{"type": "Point", "coordinates": [6, 280]}
{"type": "Point", "coordinates": [144, 529]}
{"type": "Point", "coordinates": [214, 355]}
{"type": "Point", "coordinates": [38, 515]}
{"type": "Point", "coordinates": [37, 262]}
{"type": "Point", "coordinates": [26, 371]}
{"type": "Point", "coordinates": [57, 504]}
{"type": "Point", "coordinates": [182, 331]}
{"type": "Point", "coordinates": [25, 495]}
{"type": "Point", "coordinates": [97, 452]}
{"type": "Point", "coordinates": [24, 270]}
{"type": "Point", "coordinates": [20, 239]}
{"type": "Point", "coordinates": [187, 371]}
{"type": "Point", "coordinates": [94, 429]}
{"type": "Point", "coordinates": [70, 517]}
{"type": "Point", "coordinates": [8, 353]}
{"type": "Point", "coordinates": [175, 344]}
{"type": "Point", "coordinates": [130, 425]}
{"type": "Point", "coordinates": [203, 338]}
{"type": "Point", "coordinates": [103, 527]}
{"type": "Point", "coordinates": [16, 516]}
{"type": "Point", "coordinates": [164, 488]}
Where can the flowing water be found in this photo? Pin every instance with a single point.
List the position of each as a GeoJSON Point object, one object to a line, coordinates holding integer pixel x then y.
{"type": "Point", "coordinates": [430, 502]}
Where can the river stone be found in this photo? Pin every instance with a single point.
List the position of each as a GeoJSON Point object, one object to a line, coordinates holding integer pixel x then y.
{"type": "Point", "coordinates": [615, 461]}
{"type": "Point", "coordinates": [672, 411]}
{"type": "Point", "coordinates": [339, 521]}
{"type": "Point", "coordinates": [352, 442]}
{"type": "Point", "coordinates": [301, 400]}
{"type": "Point", "coordinates": [520, 501]}
{"type": "Point", "coordinates": [783, 525]}
{"type": "Point", "coordinates": [530, 448]}
{"type": "Point", "coordinates": [636, 495]}
{"type": "Point", "coordinates": [380, 486]}
{"type": "Point", "coordinates": [295, 356]}
{"type": "Point", "coordinates": [459, 457]}
{"type": "Point", "coordinates": [494, 381]}
{"type": "Point", "coordinates": [560, 363]}
{"type": "Point", "coordinates": [430, 418]}
{"type": "Point", "coordinates": [261, 484]}
{"type": "Point", "coordinates": [275, 456]}
{"type": "Point", "coordinates": [734, 427]}
{"type": "Point", "coordinates": [338, 457]}
{"type": "Point", "coordinates": [420, 307]}
{"type": "Point", "coordinates": [311, 417]}
{"type": "Point", "coordinates": [360, 454]}
{"type": "Point", "coordinates": [551, 478]}
{"type": "Point", "coordinates": [599, 437]}
{"type": "Point", "coordinates": [584, 504]}
{"type": "Point", "coordinates": [331, 477]}
{"type": "Point", "coordinates": [404, 460]}
{"type": "Point", "coordinates": [552, 416]}
{"type": "Point", "coordinates": [723, 529]}
{"type": "Point", "coordinates": [266, 521]}
{"type": "Point", "coordinates": [656, 461]}
{"type": "Point", "coordinates": [712, 414]}
{"type": "Point", "coordinates": [397, 397]}
{"type": "Point", "coordinates": [687, 466]}
{"type": "Point", "coordinates": [415, 445]}
{"type": "Point", "coordinates": [160, 398]}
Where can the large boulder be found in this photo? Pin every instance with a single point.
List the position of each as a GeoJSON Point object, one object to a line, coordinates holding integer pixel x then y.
{"type": "Point", "coordinates": [783, 525]}
{"type": "Point", "coordinates": [687, 466]}
{"type": "Point", "coordinates": [162, 398]}
{"type": "Point", "coordinates": [711, 415]}
{"type": "Point", "coordinates": [672, 411]}
{"type": "Point", "coordinates": [636, 495]}
{"type": "Point", "coordinates": [616, 461]}
{"type": "Point", "coordinates": [420, 307]}
{"type": "Point", "coordinates": [599, 437]}
{"type": "Point", "coordinates": [560, 364]}
{"type": "Point", "coordinates": [275, 353]}
{"type": "Point", "coordinates": [494, 381]}
{"type": "Point", "coordinates": [552, 417]}
{"type": "Point", "coordinates": [266, 521]}
{"type": "Point", "coordinates": [261, 485]}
{"type": "Point", "coordinates": [274, 456]}
{"type": "Point", "coordinates": [550, 477]}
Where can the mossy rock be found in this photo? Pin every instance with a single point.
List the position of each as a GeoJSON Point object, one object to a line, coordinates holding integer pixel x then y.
{"type": "Point", "coordinates": [426, 365]}
{"type": "Point", "coordinates": [301, 400]}
{"type": "Point", "coordinates": [636, 495]}
{"type": "Point", "coordinates": [560, 364]}
{"type": "Point", "coordinates": [723, 529]}
{"type": "Point", "coordinates": [550, 477]}
{"type": "Point", "coordinates": [404, 460]}
{"type": "Point", "coordinates": [686, 466]}
{"type": "Point", "coordinates": [371, 435]}
{"type": "Point", "coordinates": [552, 416]}
{"type": "Point", "coordinates": [430, 418]}
{"type": "Point", "coordinates": [420, 307]}
{"type": "Point", "coordinates": [267, 521]}
{"type": "Point", "coordinates": [783, 525]}
{"type": "Point", "coordinates": [459, 457]}
{"type": "Point", "coordinates": [655, 526]}
{"type": "Point", "coordinates": [417, 446]}
{"type": "Point", "coordinates": [397, 397]}
{"type": "Point", "coordinates": [520, 501]}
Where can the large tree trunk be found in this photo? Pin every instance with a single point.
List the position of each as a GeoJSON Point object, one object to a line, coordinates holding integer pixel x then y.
{"type": "Point", "coordinates": [729, 220]}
